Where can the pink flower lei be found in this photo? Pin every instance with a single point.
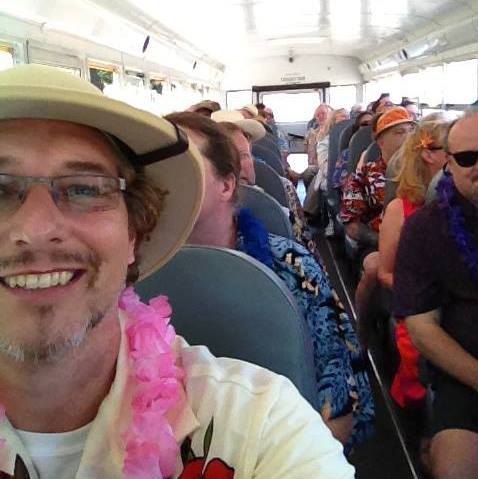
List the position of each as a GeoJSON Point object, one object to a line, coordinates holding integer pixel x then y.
{"type": "Point", "coordinates": [150, 446]}
{"type": "Point", "coordinates": [151, 449]}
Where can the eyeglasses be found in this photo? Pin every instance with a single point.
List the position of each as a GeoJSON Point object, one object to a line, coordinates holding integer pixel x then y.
{"type": "Point", "coordinates": [465, 159]}
{"type": "Point", "coordinates": [79, 193]}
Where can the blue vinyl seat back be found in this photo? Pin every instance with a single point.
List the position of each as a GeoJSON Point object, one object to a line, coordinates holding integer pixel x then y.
{"type": "Point", "coordinates": [270, 182]}
{"type": "Point", "coordinates": [238, 308]}
{"type": "Point", "coordinates": [267, 210]}
{"type": "Point", "coordinates": [345, 136]}
{"type": "Point", "coordinates": [372, 153]}
{"type": "Point", "coordinates": [334, 148]}
{"type": "Point", "coordinates": [358, 144]}
{"type": "Point", "coordinates": [266, 149]}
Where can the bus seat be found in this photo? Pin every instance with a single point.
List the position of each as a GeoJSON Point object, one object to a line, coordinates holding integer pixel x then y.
{"type": "Point", "coordinates": [238, 308]}
{"type": "Point", "coordinates": [270, 182]}
{"type": "Point", "coordinates": [372, 153]}
{"type": "Point", "coordinates": [431, 191]}
{"type": "Point", "coordinates": [333, 154]}
{"type": "Point", "coordinates": [269, 155]}
{"type": "Point", "coordinates": [358, 144]}
{"type": "Point", "coordinates": [345, 136]}
{"type": "Point", "coordinates": [390, 192]}
{"type": "Point", "coordinates": [266, 209]}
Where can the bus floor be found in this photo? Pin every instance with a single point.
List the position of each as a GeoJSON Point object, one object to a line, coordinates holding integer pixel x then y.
{"type": "Point", "coordinates": [392, 451]}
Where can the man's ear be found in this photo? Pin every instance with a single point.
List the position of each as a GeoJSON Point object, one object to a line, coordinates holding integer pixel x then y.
{"type": "Point", "coordinates": [131, 250]}
{"type": "Point", "coordinates": [228, 187]}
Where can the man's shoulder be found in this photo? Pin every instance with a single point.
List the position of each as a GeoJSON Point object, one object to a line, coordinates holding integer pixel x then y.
{"type": "Point", "coordinates": [201, 366]}
{"type": "Point", "coordinates": [281, 244]}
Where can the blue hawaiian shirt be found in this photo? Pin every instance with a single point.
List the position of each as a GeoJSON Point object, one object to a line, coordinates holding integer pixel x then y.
{"type": "Point", "coordinates": [340, 363]}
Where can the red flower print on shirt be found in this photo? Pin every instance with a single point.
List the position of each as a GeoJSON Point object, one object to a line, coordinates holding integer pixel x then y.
{"type": "Point", "coordinates": [196, 467]}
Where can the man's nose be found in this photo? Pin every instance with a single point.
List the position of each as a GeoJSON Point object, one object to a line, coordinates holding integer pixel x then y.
{"type": "Point", "coordinates": [38, 221]}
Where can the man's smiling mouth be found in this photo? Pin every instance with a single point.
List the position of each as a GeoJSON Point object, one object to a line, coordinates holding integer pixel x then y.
{"type": "Point", "coordinates": [41, 280]}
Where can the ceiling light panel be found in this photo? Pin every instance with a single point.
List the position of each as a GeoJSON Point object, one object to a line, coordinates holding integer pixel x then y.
{"type": "Point", "coordinates": [345, 19]}
{"type": "Point", "coordinates": [280, 18]}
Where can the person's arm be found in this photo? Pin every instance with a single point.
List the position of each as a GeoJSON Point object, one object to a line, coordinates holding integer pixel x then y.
{"type": "Point", "coordinates": [296, 444]}
{"type": "Point", "coordinates": [388, 241]}
{"type": "Point", "coordinates": [441, 349]}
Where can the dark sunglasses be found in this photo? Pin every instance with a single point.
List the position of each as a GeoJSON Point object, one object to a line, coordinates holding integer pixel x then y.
{"type": "Point", "coordinates": [465, 159]}
{"type": "Point", "coordinates": [435, 148]}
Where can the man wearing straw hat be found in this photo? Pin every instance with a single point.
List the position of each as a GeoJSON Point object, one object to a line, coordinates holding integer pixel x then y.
{"type": "Point", "coordinates": [95, 194]}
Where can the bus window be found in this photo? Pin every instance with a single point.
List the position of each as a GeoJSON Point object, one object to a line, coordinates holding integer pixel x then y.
{"type": "Point", "coordinates": [134, 91]}
{"type": "Point", "coordinates": [343, 96]}
{"type": "Point", "coordinates": [101, 76]}
{"type": "Point", "coordinates": [6, 57]}
{"type": "Point", "coordinates": [461, 82]}
{"type": "Point", "coordinates": [292, 107]}
{"type": "Point", "coordinates": [238, 98]}
{"type": "Point", "coordinates": [431, 80]}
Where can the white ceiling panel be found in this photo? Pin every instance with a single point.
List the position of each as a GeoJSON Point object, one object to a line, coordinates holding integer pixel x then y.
{"type": "Point", "coordinates": [228, 29]}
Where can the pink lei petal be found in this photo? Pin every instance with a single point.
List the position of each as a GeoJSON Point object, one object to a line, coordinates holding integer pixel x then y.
{"type": "Point", "coordinates": [151, 448]}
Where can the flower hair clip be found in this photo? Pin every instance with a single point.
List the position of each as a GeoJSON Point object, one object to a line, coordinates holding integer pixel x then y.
{"type": "Point", "coordinates": [426, 141]}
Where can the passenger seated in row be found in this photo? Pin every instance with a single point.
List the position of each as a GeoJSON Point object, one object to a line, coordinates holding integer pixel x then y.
{"type": "Point", "coordinates": [92, 382]}
{"type": "Point", "coordinates": [280, 134]}
{"type": "Point", "coordinates": [344, 390]}
{"type": "Point", "coordinates": [364, 192]}
{"type": "Point", "coordinates": [315, 203]}
{"type": "Point", "coordinates": [436, 290]}
{"type": "Point", "coordinates": [423, 156]}
{"type": "Point", "coordinates": [241, 134]}
{"type": "Point", "coordinates": [321, 116]}
{"type": "Point", "coordinates": [266, 148]}
{"type": "Point", "coordinates": [364, 118]}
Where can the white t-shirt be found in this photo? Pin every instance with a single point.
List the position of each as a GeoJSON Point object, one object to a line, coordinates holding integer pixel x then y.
{"type": "Point", "coordinates": [55, 455]}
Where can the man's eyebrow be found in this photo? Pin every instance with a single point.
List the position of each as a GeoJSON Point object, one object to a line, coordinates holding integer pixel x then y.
{"type": "Point", "coordinates": [84, 166]}
{"type": "Point", "coordinates": [6, 161]}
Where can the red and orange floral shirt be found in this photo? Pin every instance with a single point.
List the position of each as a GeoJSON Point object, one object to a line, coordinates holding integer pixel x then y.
{"type": "Point", "coordinates": [364, 194]}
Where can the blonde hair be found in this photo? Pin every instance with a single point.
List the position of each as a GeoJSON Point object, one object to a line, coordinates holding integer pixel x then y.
{"type": "Point", "coordinates": [329, 123]}
{"type": "Point", "coordinates": [414, 175]}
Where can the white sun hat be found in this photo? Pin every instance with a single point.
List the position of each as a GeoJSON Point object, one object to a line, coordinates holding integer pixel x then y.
{"type": "Point", "coordinates": [41, 92]}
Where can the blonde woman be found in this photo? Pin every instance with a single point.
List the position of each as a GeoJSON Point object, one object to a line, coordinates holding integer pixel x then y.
{"type": "Point", "coordinates": [423, 156]}
{"type": "Point", "coordinates": [322, 148]}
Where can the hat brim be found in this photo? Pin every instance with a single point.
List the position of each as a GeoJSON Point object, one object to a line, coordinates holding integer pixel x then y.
{"type": "Point", "coordinates": [182, 176]}
{"type": "Point", "coordinates": [252, 128]}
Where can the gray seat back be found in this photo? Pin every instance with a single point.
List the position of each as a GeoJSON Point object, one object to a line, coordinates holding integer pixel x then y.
{"type": "Point", "coordinates": [334, 139]}
{"type": "Point", "coordinates": [345, 136]}
{"type": "Point", "coordinates": [238, 308]}
{"type": "Point", "coordinates": [431, 191]}
{"type": "Point", "coordinates": [358, 144]}
{"type": "Point", "coordinates": [266, 209]}
{"type": "Point", "coordinates": [270, 182]}
{"type": "Point", "coordinates": [266, 149]}
{"type": "Point", "coordinates": [372, 153]}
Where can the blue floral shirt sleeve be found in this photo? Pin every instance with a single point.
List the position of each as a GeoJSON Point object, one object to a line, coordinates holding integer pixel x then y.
{"type": "Point", "coordinates": [339, 360]}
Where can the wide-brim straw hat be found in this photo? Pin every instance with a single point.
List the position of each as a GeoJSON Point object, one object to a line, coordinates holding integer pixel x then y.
{"type": "Point", "coordinates": [41, 92]}
{"type": "Point", "coordinates": [252, 128]}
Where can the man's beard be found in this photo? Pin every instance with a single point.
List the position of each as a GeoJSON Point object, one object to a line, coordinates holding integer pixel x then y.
{"type": "Point", "coordinates": [54, 351]}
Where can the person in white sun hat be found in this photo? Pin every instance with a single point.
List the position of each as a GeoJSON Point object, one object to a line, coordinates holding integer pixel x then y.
{"type": "Point", "coordinates": [95, 194]}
